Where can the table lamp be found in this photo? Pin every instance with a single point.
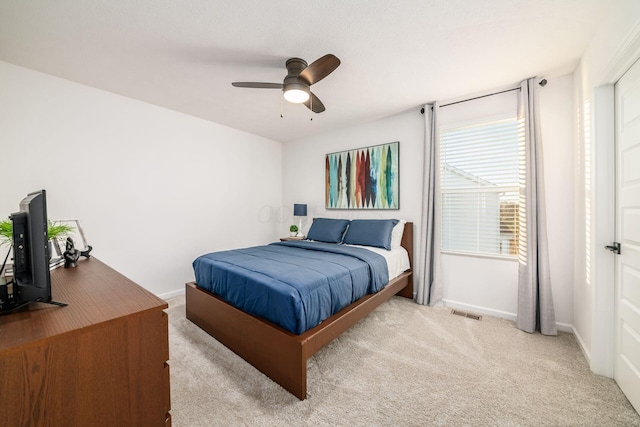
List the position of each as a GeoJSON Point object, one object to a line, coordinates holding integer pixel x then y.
{"type": "Point", "coordinates": [299, 210]}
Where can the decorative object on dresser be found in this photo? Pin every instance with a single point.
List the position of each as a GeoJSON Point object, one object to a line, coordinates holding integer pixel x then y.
{"type": "Point", "coordinates": [71, 254]}
{"type": "Point", "coordinates": [57, 230]}
{"type": "Point", "coordinates": [280, 347]}
{"type": "Point", "coordinates": [78, 237]}
{"type": "Point", "coordinates": [299, 210]}
{"type": "Point", "coordinates": [365, 178]}
{"type": "Point", "coordinates": [101, 361]}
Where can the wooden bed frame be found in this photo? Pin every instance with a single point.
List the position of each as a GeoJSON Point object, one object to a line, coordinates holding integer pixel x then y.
{"type": "Point", "coordinates": [276, 352]}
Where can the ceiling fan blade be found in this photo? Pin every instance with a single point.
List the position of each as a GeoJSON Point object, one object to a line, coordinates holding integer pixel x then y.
{"type": "Point", "coordinates": [314, 104]}
{"type": "Point", "coordinates": [319, 69]}
{"type": "Point", "coordinates": [257, 85]}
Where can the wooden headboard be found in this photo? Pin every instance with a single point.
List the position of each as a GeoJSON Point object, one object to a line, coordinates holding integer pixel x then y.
{"type": "Point", "coordinates": [407, 241]}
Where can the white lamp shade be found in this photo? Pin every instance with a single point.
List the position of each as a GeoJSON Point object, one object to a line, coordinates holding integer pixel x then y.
{"type": "Point", "coordinates": [296, 96]}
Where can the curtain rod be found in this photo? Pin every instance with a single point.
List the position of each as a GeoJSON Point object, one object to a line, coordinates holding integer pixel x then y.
{"type": "Point", "coordinates": [542, 83]}
{"type": "Point", "coordinates": [482, 96]}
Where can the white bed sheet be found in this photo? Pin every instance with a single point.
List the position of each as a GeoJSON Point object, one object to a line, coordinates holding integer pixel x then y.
{"type": "Point", "coordinates": [397, 259]}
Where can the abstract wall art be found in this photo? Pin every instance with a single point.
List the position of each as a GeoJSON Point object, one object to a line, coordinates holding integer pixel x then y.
{"type": "Point", "coordinates": [364, 178]}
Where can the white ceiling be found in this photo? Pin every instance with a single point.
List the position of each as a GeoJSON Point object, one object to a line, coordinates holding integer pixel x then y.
{"type": "Point", "coordinates": [396, 54]}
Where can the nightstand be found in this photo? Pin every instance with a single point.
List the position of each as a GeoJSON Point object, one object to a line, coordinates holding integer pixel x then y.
{"type": "Point", "coordinates": [284, 239]}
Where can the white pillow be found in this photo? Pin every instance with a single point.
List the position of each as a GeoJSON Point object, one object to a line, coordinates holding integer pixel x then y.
{"type": "Point", "coordinates": [396, 234]}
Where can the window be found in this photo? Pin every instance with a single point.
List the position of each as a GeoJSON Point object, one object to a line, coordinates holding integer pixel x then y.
{"type": "Point", "coordinates": [479, 170]}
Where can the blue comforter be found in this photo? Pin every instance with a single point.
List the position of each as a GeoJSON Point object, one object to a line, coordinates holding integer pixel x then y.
{"type": "Point", "coordinates": [294, 284]}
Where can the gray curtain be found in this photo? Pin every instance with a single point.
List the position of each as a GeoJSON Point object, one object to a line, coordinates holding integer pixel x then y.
{"type": "Point", "coordinates": [535, 302]}
{"type": "Point", "coordinates": [428, 283]}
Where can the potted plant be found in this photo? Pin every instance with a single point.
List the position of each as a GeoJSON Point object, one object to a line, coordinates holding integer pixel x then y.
{"type": "Point", "coordinates": [294, 230]}
{"type": "Point", "coordinates": [55, 231]}
{"type": "Point", "coordinates": [6, 232]}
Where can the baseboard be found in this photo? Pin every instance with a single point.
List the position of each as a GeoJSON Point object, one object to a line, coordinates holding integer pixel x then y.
{"type": "Point", "coordinates": [171, 294]}
{"type": "Point", "coordinates": [583, 347]}
{"type": "Point", "coordinates": [564, 327]}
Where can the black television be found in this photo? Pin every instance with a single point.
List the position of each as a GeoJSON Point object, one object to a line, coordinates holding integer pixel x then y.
{"type": "Point", "coordinates": [31, 277]}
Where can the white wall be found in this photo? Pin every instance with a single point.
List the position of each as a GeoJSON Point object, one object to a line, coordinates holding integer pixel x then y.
{"type": "Point", "coordinates": [470, 278]}
{"type": "Point", "coordinates": [153, 188]}
{"type": "Point", "coordinates": [303, 170]}
{"type": "Point", "coordinates": [556, 120]}
{"type": "Point", "coordinates": [613, 49]}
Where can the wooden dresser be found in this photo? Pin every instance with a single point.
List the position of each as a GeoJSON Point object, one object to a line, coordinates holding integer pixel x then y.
{"type": "Point", "coordinates": [100, 361]}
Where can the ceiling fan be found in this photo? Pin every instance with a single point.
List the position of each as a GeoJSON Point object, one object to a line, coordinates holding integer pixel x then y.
{"type": "Point", "coordinates": [300, 76]}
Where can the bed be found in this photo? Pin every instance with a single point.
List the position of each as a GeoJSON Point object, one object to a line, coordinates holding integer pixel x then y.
{"type": "Point", "coordinates": [277, 350]}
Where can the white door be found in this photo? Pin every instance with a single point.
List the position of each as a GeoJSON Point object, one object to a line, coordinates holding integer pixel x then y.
{"type": "Point", "coordinates": [627, 281]}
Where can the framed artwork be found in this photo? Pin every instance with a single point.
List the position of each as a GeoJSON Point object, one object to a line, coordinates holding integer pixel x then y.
{"type": "Point", "coordinates": [364, 178]}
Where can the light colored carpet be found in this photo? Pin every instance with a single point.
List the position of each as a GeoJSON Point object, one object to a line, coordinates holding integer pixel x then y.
{"type": "Point", "coordinates": [403, 365]}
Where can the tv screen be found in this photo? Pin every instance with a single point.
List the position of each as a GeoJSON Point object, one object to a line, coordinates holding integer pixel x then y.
{"type": "Point", "coordinates": [31, 277]}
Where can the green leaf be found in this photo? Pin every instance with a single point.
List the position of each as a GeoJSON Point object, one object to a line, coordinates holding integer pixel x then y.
{"type": "Point", "coordinates": [55, 230]}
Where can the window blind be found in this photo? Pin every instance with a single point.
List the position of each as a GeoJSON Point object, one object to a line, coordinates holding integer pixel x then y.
{"type": "Point", "coordinates": [479, 188]}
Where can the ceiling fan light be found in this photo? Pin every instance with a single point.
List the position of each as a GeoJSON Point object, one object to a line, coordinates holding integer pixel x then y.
{"type": "Point", "coordinates": [296, 93]}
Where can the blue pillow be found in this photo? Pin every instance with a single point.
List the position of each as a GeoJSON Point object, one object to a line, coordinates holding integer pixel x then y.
{"type": "Point", "coordinates": [327, 230]}
{"type": "Point", "coordinates": [370, 232]}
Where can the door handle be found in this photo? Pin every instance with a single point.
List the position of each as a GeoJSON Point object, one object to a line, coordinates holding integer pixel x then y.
{"type": "Point", "coordinates": [614, 248]}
